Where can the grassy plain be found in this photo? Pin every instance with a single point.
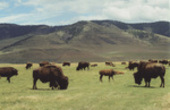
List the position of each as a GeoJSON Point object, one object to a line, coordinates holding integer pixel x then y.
{"type": "Point", "coordinates": [84, 92]}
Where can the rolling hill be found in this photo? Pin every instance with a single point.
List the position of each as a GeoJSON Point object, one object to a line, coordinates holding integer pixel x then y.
{"type": "Point", "coordinates": [84, 40]}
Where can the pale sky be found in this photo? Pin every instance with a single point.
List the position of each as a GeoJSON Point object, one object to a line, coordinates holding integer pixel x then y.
{"type": "Point", "coordinates": [63, 12]}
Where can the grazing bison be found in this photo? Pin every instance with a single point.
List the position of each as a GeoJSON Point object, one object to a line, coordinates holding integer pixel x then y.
{"type": "Point", "coordinates": [108, 63]}
{"type": "Point", "coordinates": [123, 63]}
{"type": "Point", "coordinates": [44, 63]}
{"type": "Point", "coordinates": [153, 61]}
{"type": "Point", "coordinates": [107, 72]}
{"type": "Point", "coordinates": [8, 72]}
{"type": "Point", "coordinates": [164, 62]}
{"type": "Point", "coordinates": [66, 63]}
{"type": "Point", "coordinates": [132, 65]}
{"type": "Point", "coordinates": [148, 70]}
{"type": "Point", "coordinates": [82, 65]}
{"type": "Point", "coordinates": [52, 74]}
{"type": "Point", "coordinates": [93, 65]}
{"type": "Point", "coordinates": [28, 65]}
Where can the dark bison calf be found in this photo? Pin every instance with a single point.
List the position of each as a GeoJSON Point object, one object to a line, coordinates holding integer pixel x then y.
{"type": "Point", "coordinates": [148, 70]}
{"type": "Point", "coordinates": [107, 72]}
{"type": "Point", "coordinates": [82, 65]}
{"type": "Point", "coordinates": [123, 63]}
{"type": "Point", "coordinates": [28, 65]}
{"type": "Point", "coordinates": [8, 72]}
{"type": "Point", "coordinates": [93, 65]}
{"type": "Point", "coordinates": [66, 63]}
{"type": "Point", "coordinates": [52, 74]}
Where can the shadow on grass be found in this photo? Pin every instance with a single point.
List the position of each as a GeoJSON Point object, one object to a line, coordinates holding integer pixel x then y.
{"type": "Point", "coordinates": [47, 89]}
{"type": "Point", "coordinates": [136, 86]}
{"type": "Point", "coordinates": [44, 89]}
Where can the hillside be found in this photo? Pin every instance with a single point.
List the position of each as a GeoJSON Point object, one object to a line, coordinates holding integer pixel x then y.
{"type": "Point", "coordinates": [84, 40]}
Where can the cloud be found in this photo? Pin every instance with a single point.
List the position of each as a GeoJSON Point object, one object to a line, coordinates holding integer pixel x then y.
{"type": "Point", "coordinates": [137, 11]}
{"type": "Point", "coordinates": [57, 12]}
{"type": "Point", "coordinates": [3, 5]}
{"type": "Point", "coordinates": [14, 18]}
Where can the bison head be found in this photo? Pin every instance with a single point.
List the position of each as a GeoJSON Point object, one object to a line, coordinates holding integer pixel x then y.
{"type": "Point", "coordinates": [77, 68]}
{"type": "Point", "coordinates": [15, 72]}
{"type": "Point", "coordinates": [138, 78]}
{"type": "Point", "coordinates": [63, 82]}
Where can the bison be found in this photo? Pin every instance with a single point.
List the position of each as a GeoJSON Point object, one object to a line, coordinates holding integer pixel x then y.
{"type": "Point", "coordinates": [66, 63]}
{"type": "Point", "coordinates": [123, 63]}
{"type": "Point", "coordinates": [132, 65]}
{"type": "Point", "coordinates": [28, 65]}
{"type": "Point", "coordinates": [8, 72]}
{"type": "Point", "coordinates": [82, 65]}
{"type": "Point", "coordinates": [153, 61]}
{"type": "Point", "coordinates": [148, 70]}
{"type": "Point", "coordinates": [52, 74]}
{"type": "Point", "coordinates": [93, 65]}
{"type": "Point", "coordinates": [44, 63]}
{"type": "Point", "coordinates": [108, 63]}
{"type": "Point", "coordinates": [107, 72]}
{"type": "Point", "coordinates": [164, 62]}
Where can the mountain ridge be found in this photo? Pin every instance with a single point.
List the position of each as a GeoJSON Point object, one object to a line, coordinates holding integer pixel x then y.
{"type": "Point", "coordinates": [84, 40]}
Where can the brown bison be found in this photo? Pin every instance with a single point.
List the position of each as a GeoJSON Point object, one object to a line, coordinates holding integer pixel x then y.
{"type": "Point", "coordinates": [93, 65]}
{"type": "Point", "coordinates": [108, 63]}
{"type": "Point", "coordinates": [44, 63]}
{"type": "Point", "coordinates": [66, 63]}
{"type": "Point", "coordinates": [8, 72]}
{"type": "Point", "coordinates": [132, 65]}
{"type": "Point", "coordinates": [107, 72]}
{"type": "Point", "coordinates": [28, 65]}
{"type": "Point", "coordinates": [83, 65]}
{"type": "Point", "coordinates": [123, 63]}
{"type": "Point", "coordinates": [148, 70]}
{"type": "Point", "coordinates": [52, 74]}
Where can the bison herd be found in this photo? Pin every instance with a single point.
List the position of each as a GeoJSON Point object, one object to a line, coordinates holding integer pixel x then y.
{"type": "Point", "coordinates": [53, 74]}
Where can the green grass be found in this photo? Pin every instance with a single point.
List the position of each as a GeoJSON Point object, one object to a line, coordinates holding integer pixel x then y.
{"type": "Point", "coordinates": [84, 92]}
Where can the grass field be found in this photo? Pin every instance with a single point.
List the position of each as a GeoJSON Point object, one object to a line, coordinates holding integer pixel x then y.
{"type": "Point", "coordinates": [84, 92]}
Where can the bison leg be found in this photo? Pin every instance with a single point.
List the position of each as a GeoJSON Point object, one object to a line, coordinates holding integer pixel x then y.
{"type": "Point", "coordinates": [53, 85]}
{"type": "Point", "coordinates": [8, 78]}
{"type": "Point", "coordinates": [34, 84]}
{"type": "Point", "coordinates": [146, 83]}
{"type": "Point", "coordinates": [112, 77]}
{"type": "Point", "coordinates": [109, 78]}
{"type": "Point", "coordinates": [101, 77]}
{"type": "Point", "coordinates": [162, 81]}
{"type": "Point", "coordinates": [149, 81]}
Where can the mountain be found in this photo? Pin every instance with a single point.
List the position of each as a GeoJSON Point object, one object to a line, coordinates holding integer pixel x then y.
{"type": "Point", "coordinates": [84, 40]}
{"type": "Point", "coordinates": [161, 27]}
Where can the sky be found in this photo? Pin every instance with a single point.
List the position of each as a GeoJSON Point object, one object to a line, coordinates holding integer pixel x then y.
{"type": "Point", "coordinates": [64, 12]}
